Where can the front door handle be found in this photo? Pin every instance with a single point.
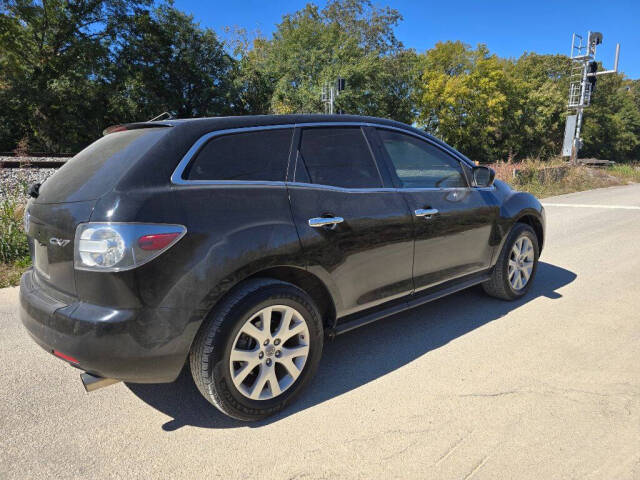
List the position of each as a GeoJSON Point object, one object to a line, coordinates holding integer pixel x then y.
{"type": "Point", "coordinates": [324, 221]}
{"type": "Point", "coordinates": [425, 212]}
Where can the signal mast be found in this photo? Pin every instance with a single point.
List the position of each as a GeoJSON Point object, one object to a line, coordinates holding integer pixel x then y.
{"type": "Point", "coordinates": [584, 72]}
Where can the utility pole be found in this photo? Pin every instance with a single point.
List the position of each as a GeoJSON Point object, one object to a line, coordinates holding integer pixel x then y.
{"type": "Point", "coordinates": [583, 80]}
{"type": "Point", "coordinates": [330, 93]}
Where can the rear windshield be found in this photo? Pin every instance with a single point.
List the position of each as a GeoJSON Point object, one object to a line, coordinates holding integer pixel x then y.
{"type": "Point", "coordinates": [96, 169]}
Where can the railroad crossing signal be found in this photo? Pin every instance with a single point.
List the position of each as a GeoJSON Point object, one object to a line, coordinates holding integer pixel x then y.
{"type": "Point", "coordinates": [584, 72]}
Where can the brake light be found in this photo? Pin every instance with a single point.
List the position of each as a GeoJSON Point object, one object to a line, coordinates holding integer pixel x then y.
{"type": "Point", "coordinates": [113, 129]}
{"type": "Point", "coordinates": [64, 356]}
{"type": "Point", "coordinates": [157, 241]}
{"type": "Point", "coordinates": [115, 246]}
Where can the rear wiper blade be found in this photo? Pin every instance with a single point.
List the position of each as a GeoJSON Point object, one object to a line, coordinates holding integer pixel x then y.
{"type": "Point", "coordinates": [34, 190]}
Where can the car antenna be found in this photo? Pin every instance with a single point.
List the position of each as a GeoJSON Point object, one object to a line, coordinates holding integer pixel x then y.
{"type": "Point", "coordinates": [162, 116]}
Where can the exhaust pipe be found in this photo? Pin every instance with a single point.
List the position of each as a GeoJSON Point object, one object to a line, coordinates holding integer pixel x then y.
{"type": "Point", "coordinates": [91, 382]}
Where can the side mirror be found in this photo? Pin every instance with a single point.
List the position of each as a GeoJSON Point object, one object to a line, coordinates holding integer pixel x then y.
{"type": "Point", "coordinates": [483, 176]}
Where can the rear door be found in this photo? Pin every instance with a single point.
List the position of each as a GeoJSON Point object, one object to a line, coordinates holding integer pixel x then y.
{"type": "Point", "coordinates": [366, 255]}
{"type": "Point", "coordinates": [452, 221]}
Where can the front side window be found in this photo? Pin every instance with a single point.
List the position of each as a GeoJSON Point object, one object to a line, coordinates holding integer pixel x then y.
{"type": "Point", "coordinates": [419, 164]}
{"type": "Point", "coordinates": [254, 155]}
{"type": "Point", "coordinates": [338, 156]}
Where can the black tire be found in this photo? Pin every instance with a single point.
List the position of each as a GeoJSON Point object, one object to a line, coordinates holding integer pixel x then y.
{"type": "Point", "coordinates": [210, 353]}
{"type": "Point", "coordinates": [499, 286]}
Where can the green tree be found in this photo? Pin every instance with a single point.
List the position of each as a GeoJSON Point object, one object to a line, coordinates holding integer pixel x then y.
{"type": "Point", "coordinates": [612, 123]}
{"type": "Point", "coordinates": [350, 39]}
{"type": "Point", "coordinates": [53, 89]}
{"type": "Point", "coordinates": [167, 62]}
{"type": "Point", "coordinates": [538, 105]}
{"type": "Point", "coordinates": [462, 97]}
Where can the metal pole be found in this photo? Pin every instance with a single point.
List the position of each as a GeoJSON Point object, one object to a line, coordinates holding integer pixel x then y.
{"type": "Point", "coordinates": [583, 88]}
{"type": "Point", "coordinates": [573, 42]}
{"type": "Point", "coordinates": [331, 99]}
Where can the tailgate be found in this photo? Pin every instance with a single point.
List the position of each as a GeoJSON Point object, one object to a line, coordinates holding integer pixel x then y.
{"type": "Point", "coordinates": [52, 230]}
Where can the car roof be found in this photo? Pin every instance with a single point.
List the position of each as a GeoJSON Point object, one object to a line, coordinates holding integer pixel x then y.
{"type": "Point", "coordinates": [210, 124]}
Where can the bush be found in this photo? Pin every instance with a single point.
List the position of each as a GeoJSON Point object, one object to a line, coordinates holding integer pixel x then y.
{"type": "Point", "coordinates": [13, 240]}
{"type": "Point", "coordinates": [630, 172]}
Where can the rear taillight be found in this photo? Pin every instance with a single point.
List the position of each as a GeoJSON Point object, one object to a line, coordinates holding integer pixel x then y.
{"type": "Point", "coordinates": [114, 247]}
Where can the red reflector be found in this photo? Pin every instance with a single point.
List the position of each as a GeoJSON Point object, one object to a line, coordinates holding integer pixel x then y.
{"type": "Point", "coordinates": [157, 241]}
{"type": "Point", "coordinates": [64, 356]}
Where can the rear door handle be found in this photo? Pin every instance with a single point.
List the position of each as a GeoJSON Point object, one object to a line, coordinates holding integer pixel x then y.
{"type": "Point", "coordinates": [324, 221]}
{"type": "Point", "coordinates": [425, 212]}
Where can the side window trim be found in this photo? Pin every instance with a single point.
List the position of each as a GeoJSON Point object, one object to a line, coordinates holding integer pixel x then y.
{"type": "Point", "coordinates": [177, 175]}
{"type": "Point", "coordinates": [396, 181]}
{"type": "Point", "coordinates": [377, 152]}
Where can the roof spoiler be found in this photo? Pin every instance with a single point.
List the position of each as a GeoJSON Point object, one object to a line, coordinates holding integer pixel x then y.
{"type": "Point", "coordinates": [132, 126]}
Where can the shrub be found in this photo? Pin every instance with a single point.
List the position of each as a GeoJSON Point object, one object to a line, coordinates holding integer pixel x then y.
{"type": "Point", "coordinates": [13, 240]}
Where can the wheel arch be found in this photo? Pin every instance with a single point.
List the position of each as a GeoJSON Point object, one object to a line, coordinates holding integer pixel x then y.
{"type": "Point", "coordinates": [536, 224]}
{"type": "Point", "coordinates": [297, 276]}
{"type": "Point", "coordinates": [308, 282]}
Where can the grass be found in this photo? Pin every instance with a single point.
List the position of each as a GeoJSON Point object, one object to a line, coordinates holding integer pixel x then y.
{"type": "Point", "coordinates": [629, 172]}
{"type": "Point", "coordinates": [10, 273]}
{"type": "Point", "coordinates": [14, 249]}
{"type": "Point", "coordinates": [556, 177]}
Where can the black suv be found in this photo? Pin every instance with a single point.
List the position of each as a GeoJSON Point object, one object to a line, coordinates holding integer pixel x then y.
{"type": "Point", "coordinates": [236, 245]}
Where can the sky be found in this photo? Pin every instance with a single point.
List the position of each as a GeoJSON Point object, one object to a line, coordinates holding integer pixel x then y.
{"type": "Point", "coordinates": [508, 28]}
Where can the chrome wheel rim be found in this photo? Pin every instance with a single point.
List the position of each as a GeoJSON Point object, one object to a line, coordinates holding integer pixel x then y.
{"type": "Point", "coordinates": [269, 352]}
{"type": "Point", "coordinates": [521, 260]}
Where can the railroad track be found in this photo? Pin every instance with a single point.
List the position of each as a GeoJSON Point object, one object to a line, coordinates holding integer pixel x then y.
{"type": "Point", "coordinates": [36, 161]}
{"type": "Point", "coordinates": [31, 163]}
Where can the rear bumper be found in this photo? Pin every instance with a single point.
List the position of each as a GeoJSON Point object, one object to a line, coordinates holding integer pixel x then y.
{"type": "Point", "coordinates": [148, 345]}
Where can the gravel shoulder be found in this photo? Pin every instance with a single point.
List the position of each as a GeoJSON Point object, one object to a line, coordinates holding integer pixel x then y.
{"type": "Point", "coordinates": [14, 180]}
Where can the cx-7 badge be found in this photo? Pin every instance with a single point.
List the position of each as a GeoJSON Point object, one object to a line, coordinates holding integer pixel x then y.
{"type": "Point", "coordinates": [60, 242]}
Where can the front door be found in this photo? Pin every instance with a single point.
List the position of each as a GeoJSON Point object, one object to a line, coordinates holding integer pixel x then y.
{"type": "Point", "coordinates": [356, 232]}
{"type": "Point", "coordinates": [452, 221]}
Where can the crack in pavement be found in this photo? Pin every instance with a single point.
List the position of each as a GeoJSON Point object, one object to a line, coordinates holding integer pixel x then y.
{"type": "Point", "coordinates": [556, 391]}
{"type": "Point", "coordinates": [477, 467]}
{"type": "Point", "coordinates": [452, 449]}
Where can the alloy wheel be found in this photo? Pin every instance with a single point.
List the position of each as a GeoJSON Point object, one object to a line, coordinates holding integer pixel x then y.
{"type": "Point", "coordinates": [521, 260]}
{"type": "Point", "coordinates": [269, 352]}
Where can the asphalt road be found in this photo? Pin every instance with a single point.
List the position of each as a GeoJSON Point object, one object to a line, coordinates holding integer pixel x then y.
{"type": "Point", "coordinates": [465, 387]}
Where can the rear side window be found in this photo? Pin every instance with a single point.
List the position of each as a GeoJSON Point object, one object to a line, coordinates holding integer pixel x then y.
{"type": "Point", "coordinates": [254, 155]}
{"type": "Point", "coordinates": [339, 157]}
{"type": "Point", "coordinates": [419, 164]}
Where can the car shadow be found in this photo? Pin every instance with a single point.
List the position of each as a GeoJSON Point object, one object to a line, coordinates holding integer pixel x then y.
{"type": "Point", "coordinates": [383, 346]}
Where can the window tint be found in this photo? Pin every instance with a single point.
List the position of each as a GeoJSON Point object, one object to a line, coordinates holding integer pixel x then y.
{"type": "Point", "coordinates": [419, 164]}
{"type": "Point", "coordinates": [339, 157]}
{"type": "Point", "coordinates": [255, 155]}
{"type": "Point", "coordinates": [96, 169]}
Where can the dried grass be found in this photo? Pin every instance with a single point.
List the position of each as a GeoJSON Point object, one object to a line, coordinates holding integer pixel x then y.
{"type": "Point", "coordinates": [557, 177]}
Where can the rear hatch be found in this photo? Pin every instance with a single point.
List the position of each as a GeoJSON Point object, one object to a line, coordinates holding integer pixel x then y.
{"type": "Point", "coordinates": [68, 197]}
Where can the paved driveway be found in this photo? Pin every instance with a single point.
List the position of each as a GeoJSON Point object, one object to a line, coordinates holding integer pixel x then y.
{"type": "Point", "coordinates": [465, 387]}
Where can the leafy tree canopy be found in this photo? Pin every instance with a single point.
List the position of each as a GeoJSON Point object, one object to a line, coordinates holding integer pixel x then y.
{"type": "Point", "coordinates": [68, 69]}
